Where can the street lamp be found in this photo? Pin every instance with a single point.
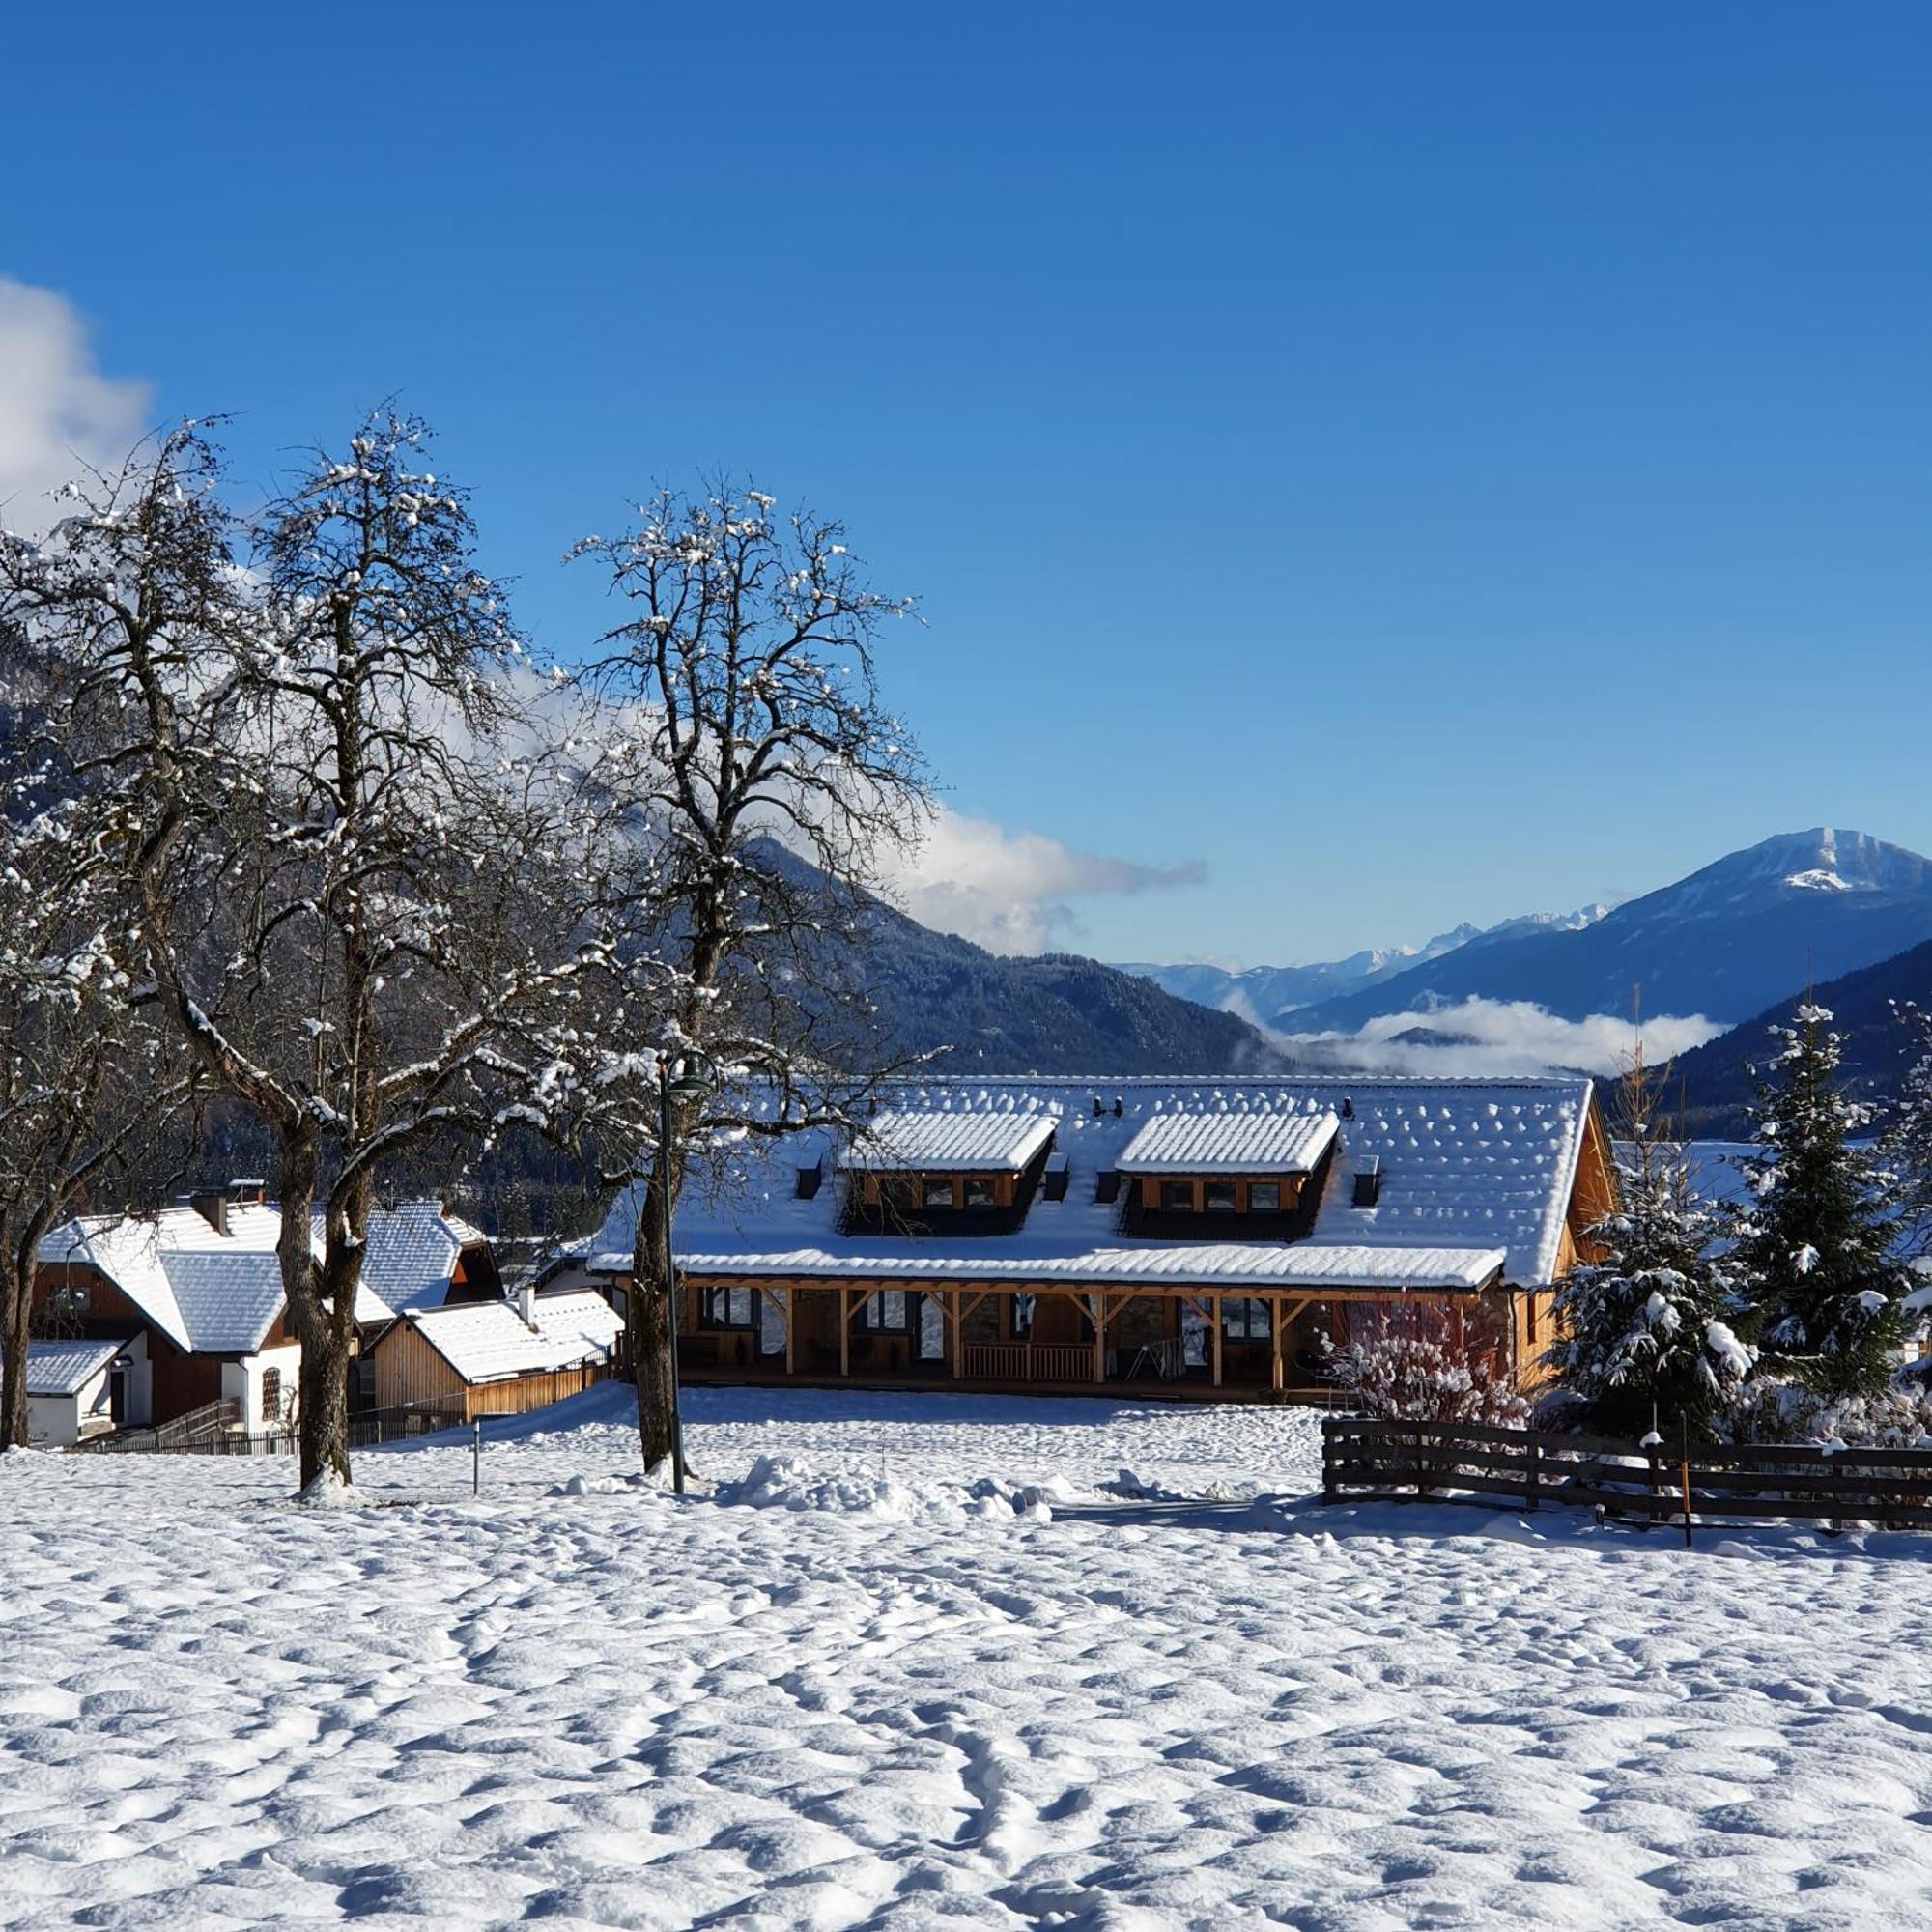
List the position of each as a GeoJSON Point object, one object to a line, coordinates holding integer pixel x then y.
{"type": "Point", "coordinates": [693, 1078]}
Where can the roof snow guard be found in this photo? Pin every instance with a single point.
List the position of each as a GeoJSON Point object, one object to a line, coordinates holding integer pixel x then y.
{"type": "Point", "coordinates": [1258, 1142]}
{"type": "Point", "coordinates": [949, 1142]}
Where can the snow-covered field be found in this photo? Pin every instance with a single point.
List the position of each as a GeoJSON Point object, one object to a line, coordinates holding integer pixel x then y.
{"type": "Point", "coordinates": [911, 1705]}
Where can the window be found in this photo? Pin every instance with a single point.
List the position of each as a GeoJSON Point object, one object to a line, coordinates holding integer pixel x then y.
{"type": "Point", "coordinates": [1245, 1321]}
{"type": "Point", "coordinates": [1177, 1197]}
{"type": "Point", "coordinates": [897, 1197]}
{"type": "Point", "coordinates": [725, 1307]}
{"type": "Point", "coordinates": [887, 1312]}
{"type": "Point", "coordinates": [979, 1194]}
{"type": "Point", "coordinates": [1264, 1197]}
{"type": "Point", "coordinates": [1022, 1316]}
{"type": "Point", "coordinates": [936, 1194]}
{"type": "Point", "coordinates": [1217, 1197]}
{"type": "Point", "coordinates": [272, 1395]}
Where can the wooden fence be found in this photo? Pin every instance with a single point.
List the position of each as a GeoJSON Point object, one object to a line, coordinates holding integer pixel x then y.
{"type": "Point", "coordinates": [1656, 1485]}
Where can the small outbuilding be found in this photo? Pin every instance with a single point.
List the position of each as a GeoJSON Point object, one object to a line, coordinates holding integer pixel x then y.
{"type": "Point", "coordinates": [497, 1357]}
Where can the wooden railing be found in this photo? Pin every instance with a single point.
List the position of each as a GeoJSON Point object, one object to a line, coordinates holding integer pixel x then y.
{"type": "Point", "coordinates": [1024, 1362]}
{"type": "Point", "coordinates": [1751, 1482]}
{"type": "Point", "coordinates": [186, 1432]}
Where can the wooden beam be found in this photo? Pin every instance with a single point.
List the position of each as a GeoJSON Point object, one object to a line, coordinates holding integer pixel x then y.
{"type": "Point", "coordinates": [1275, 1310]}
{"type": "Point", "coordinates": [1215, 1318]}
{"type": "Point", "coordinates": [958, 1336]}
{"type": "Point", "coordinates": [844, 1331]}
{"type": "Point", "coordinates": [1100, 1336]}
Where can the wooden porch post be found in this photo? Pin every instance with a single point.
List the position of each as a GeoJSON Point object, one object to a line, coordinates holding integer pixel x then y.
{"type": "Point", "coordinates": [844, 1331]}
{"type": "Point", "coordinates": [1101, 1337]}
{"type": "Point", "coordinates": [1215, 1306]}
{"type": "Point", "coordinates": [791, 1330]}
{"type": "Point", "coordinates": [958, 1334]}
{"type": "Point", "coordinates": [1275, 1308]}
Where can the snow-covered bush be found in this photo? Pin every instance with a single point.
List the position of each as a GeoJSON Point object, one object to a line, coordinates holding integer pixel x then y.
{"type": "Point", "coordinates": [1427, 1363]}
{"type": "Point", "coordinates": [1772, 1410]}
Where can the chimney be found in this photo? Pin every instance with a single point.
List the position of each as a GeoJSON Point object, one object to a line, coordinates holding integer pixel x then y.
{"type": "Point", "coordinates": [1119, 1110]}
{"type": "Point", "coordinates": [212, 1208]}
{"type": "Point", "coordinates": [527, 1305]}
{"type": "Point", "coordinates": [1369, 1181]}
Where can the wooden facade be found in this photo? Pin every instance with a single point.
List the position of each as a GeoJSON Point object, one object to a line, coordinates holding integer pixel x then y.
{"type": "Point", "coordinates": [1006, 1331]}
{"type": "Point", "coordinates": [411, 1371]}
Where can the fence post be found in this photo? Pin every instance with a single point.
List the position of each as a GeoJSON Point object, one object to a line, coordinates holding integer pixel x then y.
{"type": "Point", "coordinates": [1331, 1487]}
{"type": "Point", "coordinates": [1535, 1483]}
{"type": "Point", "coordinates": [476, 1456]}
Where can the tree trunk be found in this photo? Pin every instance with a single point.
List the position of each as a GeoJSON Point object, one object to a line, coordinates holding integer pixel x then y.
{"type": "Point", "coordinates": [647, 1332]}
{"type": "Point", "coordinates": [18, 1322]}
{"type": "Point", "coordinates": [324, 1383]}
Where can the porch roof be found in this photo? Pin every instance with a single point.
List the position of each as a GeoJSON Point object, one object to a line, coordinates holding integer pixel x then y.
{"type": "Point", "coordinates": [1214, 1265]}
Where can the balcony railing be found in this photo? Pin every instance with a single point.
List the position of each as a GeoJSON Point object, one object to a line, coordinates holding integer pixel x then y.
{"type": "Point", "coordinates": [1026, 1362]}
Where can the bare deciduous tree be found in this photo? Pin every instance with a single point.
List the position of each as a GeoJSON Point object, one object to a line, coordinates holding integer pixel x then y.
{"type": "Point", "coordinates": [340, 873]}
{"type": "Point", "coordinates": [757, 784]}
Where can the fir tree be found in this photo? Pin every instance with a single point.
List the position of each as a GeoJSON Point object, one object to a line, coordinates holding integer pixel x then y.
{"type": "Point", "coordinates": [1644, 1329]}
{"type": "Point", "coordinates": [1814, 1244]}
{"type": "Point", "coordinates": [1906, 1148]}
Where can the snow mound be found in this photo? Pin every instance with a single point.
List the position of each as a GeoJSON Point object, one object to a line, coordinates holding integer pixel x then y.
{"type": "Point", "coordinates": [787, 1483]}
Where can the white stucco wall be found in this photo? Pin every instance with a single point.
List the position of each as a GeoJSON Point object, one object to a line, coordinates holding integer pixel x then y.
{"type": "Point", "coordinates": [243, 1379]}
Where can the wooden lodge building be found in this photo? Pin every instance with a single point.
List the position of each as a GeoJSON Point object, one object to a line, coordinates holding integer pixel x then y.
{"type": "Point", "coordinates": [141, 1320]}
{"type": "Point", "coordinates": [1174, 1236]}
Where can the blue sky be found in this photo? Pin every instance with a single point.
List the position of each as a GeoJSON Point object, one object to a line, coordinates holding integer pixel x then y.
{"type": "Point", "coordinates": [1364, 466]}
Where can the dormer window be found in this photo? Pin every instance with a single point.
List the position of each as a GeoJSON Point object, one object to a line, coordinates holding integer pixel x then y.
{"type": "Point", "coordinates": [1225, 1168]}
{"type": "Point", "coordinates": [971, 1173]}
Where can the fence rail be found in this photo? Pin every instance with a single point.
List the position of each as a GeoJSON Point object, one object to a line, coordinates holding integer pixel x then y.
{"type": "Point", "coordinates": [216, 1430]}
{"type": "Point", "coordinates": [1744, 1482]}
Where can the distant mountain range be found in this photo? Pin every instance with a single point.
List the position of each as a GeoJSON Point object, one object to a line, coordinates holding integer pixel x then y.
{"type": "Point", "coordinates": [1269, 995]}
{"type": "Point", "coordinates": [1724, 943]}
{"type": "Point", "coordinates": [1715, 1082]}
{"type": "Point", "coordinates": [1045, 1014]}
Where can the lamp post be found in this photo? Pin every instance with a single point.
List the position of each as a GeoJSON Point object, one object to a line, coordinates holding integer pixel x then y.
{"type": "Point", "coordinates": [692, 1082]}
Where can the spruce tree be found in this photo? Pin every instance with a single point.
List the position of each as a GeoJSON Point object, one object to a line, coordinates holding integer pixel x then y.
{"type": "Point", "coordinates": [1814, 1242]}
{"type": "Point", "coordinates": [1645, 1327]}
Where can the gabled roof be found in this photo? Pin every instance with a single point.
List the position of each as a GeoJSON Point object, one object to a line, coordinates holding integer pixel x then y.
{"type": "Point", "coordinates": [209, 1293]}
{"type": "Point", "coordinates": [66, 1367]}
{"type": "Point", "coordinates": [1259, 1140]}
{"type": "Point", "coordinates": [922, 1140]}
{"type": "Point", "coordinates": [488, 1341]}
{"type": "Point", "coordinates": [412, 1253]}
{"type": "Point", "coordinates": [1477, 1166]}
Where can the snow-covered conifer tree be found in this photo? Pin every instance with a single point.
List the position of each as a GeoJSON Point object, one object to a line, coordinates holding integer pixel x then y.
{"type": "Point", "coordinates": [1645, 1328]}
{"type": "Point", "coordinates": [1814, 1244]}
{"type": "Point", "coordinates": [1905, 1149]}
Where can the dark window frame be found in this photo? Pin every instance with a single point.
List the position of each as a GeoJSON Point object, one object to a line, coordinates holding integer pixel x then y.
{"type": "Point", "coordinates": [272, 1395]}
{"type": "Point", "coordinates": [1253, 1316]}
{"type": "Point", "coordinates": [1177, 1197]}
{"type": "Point", "coordinates": [931, 1184]}
{"type": "Point", "coordinates": [871, 1316]}
{"type": "Point", "coordinates": [981, 1185]}
{"type": "Point", "coordinates": [1270, 1207]}
{"type": "Point", "coordinates": [711, 1322]}
{"type": "Point", "coordinates": [1229, 1205]}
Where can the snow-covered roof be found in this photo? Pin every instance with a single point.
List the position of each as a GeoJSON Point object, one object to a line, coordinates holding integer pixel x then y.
{"type": "Point", "coordinates": [1476, 1166]}
{"type": "Point", "coordinates": [487, 1341]}
{"type": "Point", "coordinates": [66, 1367]}
{"type": "Point", "coordinates": [1310, 1264]}
{"type": "Point", "coordinates": [210, 1292]}
{"type": "Point", "coordinates": [1261, 1142]}
{"type": "Point", "coordinates": [927, 1140]}
{"type": "Point", "coordinates": [412, 1253]}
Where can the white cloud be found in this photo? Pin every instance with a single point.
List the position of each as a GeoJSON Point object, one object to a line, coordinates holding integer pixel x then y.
{"type": "Point", "coordinates": [1497, 1038]}
{"type": "Point", "coordinates": [58, 412]}
{"type": "Point", "coordinates": [1010, 891]}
